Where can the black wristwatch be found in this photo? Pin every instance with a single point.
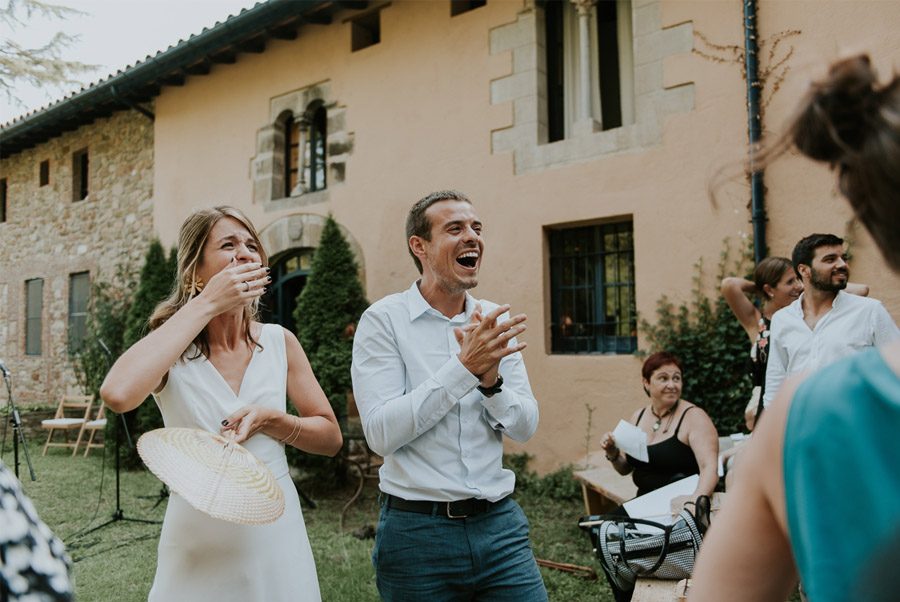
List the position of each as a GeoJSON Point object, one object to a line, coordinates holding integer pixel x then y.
{"type": "Point", "coordinates": [493, 389]}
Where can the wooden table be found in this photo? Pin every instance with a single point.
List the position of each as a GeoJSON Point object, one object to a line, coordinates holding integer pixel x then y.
{"type": "Point", "coordinates": [601, 486]}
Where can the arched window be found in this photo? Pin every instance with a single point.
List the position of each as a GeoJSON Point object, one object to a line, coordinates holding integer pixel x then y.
{"type": "Point", "coordinates": [291, 154]}
{"type": "Point", "coordinates": [289, 272]}
{"type": "Point", "coordinates": [305, 172]}
{"type": "Point", "coordinates": [314, 159]}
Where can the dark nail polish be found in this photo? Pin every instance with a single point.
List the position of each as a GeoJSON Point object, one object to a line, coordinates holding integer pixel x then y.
{"type": "Point", "coordinates": [268, 279]}
{"type": "Point", "coordinates": [225, 422]}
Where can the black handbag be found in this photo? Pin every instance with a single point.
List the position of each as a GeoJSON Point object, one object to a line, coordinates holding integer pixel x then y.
{"type": "Point", "coordinates": [668, 552]}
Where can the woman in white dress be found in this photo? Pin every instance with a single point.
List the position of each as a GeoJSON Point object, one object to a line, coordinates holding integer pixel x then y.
{"type": "Point", "coordinates": [211, 365]}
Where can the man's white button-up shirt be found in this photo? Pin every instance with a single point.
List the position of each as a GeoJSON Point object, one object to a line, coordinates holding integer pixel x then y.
{"type": "Point", "coordinates": [440, 437]}
{"type": "Point", "coordinates": [852, 324]}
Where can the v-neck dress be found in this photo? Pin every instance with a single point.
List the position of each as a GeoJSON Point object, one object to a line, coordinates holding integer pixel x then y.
{"type": "Point", "coordinates": [203, 558]}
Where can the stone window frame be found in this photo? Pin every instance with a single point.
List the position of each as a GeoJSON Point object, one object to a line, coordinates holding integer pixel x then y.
{"type": "Point", "coordinates": [525, 87]}
{"type": "Point", "coordinates": [268, 165]}
{"type": "Point", "coordinates": [81, 175]}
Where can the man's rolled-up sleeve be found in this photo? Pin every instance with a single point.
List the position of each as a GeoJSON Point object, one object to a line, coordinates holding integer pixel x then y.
{"type": "Point", "coordinates": [392, 417]}
{"type": "Point", "coordinates": [514, 410]}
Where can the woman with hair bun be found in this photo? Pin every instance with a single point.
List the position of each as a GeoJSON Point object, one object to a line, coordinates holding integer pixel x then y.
{"type": "Point", "coordinates": [777, 284]}
{"type": "Point", "coordinates": [818, 489]}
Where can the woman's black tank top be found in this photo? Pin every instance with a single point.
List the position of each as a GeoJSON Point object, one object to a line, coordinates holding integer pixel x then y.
{"type": "Point", "coordinates": [668, 461]}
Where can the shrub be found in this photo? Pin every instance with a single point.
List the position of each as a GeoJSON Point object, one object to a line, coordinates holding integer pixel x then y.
{"type": "Point", "coordinates": [106, 319]}
{"type": "Point", "coordinates": [156, 281]}
{"type": "Point", "coordinates": [713, 346]}
{"type": "Point", "coordinates": [327, 311]}
{"type": "Point", "coordinates": [558, 485]}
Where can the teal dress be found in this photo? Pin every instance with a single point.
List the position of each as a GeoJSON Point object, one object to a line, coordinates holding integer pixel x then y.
{"type": "Point", "coordinates": [842, 473]}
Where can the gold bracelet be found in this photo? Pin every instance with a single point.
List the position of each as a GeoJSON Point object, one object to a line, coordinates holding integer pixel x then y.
{"type": "Point", "coordinates": [299, 430]}
{"type": "Point", "coordinates": [293, 431]}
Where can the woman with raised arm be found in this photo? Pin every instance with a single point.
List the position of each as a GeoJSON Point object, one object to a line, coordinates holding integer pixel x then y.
{"type": "Point", "coordinates": [776, 283]}
{"type": "Point", "coordinates": [818, 488]}
{"type": "Point", "coordinates": [211, 365]}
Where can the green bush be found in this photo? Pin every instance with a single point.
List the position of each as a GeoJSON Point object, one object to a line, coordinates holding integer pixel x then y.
{"type": "Point", "coordinates": [558, 485]}
{"type": "Point", "coordinates": [713, 346]}
{"type": "Point", "coordinates": [156, 281]}
{"type": "Point", "coordinates": [106, 319]}
{"type": "Point", "coordinates": [328, 310]}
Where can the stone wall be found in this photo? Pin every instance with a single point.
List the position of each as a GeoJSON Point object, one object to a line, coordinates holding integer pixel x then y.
{"type": "Point", "coordinates": [48, 235]}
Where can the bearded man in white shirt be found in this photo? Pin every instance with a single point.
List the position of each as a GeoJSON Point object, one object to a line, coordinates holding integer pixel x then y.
{"type": "Point", "coordinates": [438, 378]}
{"type": "Point", "coordinates": [825, 323]}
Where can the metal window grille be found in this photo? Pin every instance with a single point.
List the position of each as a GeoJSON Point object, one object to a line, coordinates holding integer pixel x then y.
{"type": "Point", "coordinates": [592, 295]}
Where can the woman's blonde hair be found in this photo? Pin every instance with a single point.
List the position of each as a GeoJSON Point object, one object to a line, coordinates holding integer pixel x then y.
{"type": "Point", "coordinates": [191, 241]}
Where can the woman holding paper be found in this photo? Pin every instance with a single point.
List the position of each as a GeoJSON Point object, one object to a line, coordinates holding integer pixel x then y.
{"type": "Point", "coordinates": [680, 437]}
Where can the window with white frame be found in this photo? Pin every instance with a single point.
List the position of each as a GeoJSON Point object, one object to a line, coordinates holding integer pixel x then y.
{"type": "Point", "coordinates": [589, 65]}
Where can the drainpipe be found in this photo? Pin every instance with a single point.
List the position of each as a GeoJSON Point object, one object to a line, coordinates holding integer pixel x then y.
{"type": "Point", "coordinates": [754, 130]}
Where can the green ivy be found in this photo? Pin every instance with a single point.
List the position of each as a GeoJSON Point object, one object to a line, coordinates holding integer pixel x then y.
{"type": "Point", "coordinates": [711, 343]}
{"type": "Point", "coordinates": [328, 310]}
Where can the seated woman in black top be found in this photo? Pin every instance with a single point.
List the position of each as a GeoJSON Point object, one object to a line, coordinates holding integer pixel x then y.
{"type": "Point", "coordinates": [681, 438]}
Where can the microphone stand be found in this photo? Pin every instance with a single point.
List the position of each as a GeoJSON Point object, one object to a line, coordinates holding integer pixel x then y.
{"type": "Point", "coordinates": [18, 434]}
{"type": "Point", "coordinates": [121, 425]}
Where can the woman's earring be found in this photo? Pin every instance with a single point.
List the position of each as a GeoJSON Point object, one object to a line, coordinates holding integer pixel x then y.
{"type": "Point", "coordinates": [197, 286]}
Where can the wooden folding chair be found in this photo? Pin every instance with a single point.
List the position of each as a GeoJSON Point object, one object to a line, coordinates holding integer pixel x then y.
{"type": "Point", "coordinates": [92, 426]}
{"type": "Point", "coordinates": [71, 415]}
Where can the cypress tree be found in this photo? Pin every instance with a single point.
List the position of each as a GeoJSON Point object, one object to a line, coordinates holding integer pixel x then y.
{"type": "Point", "coordinates": [155, 284]}
{"type": "Point", "coordinates": [328, 309]}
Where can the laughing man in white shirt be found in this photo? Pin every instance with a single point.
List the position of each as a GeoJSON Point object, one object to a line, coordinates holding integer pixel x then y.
{"type": "Point", "coordinates": [439, 379]}
{"type": "Point", "coordinates": [825, 323]}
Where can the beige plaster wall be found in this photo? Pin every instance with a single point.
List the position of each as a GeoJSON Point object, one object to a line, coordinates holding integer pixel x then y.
{"type": "Point", "coordinates": [418, 105]}
{"type": "Point", "coordinates": [49, 236]}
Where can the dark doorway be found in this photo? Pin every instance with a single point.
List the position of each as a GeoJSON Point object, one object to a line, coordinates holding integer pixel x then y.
{"type": "Point", "coordinates": [289, 272]}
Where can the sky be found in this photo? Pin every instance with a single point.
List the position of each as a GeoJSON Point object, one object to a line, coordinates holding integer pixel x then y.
{"type": "Point", "coordinates": [112, 34]}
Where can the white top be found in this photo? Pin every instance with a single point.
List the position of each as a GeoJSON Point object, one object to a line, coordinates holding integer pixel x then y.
{"type": "Point", "coordinates": [853, 323]}
{"type": "Point", "coordinates": [183, 401]}
{"type": "Point", "coordinates": [204, 558]}
{"type": "Point", "coordinates": [440, 437]}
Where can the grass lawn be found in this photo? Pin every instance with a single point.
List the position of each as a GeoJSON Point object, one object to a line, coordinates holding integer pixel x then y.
{"type": "Point", "coordinates": [117, 562]}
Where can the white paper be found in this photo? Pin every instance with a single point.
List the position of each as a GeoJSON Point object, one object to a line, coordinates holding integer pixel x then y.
{"type": "Point", "coordinates": [631, 440]}
{"type": "Point", "coordinates": [656, 505]}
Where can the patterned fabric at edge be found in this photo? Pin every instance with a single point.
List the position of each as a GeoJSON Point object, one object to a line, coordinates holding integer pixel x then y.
{"type": "Point", "coordinates": [841, 480]}
{"type": "Point", "coordinates": [33, 562]}
{"type": "Point", "coordinates": [203, 558]}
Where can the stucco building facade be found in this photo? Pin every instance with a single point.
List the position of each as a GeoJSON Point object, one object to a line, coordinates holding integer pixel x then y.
{"type": "Point", "coordinates": [590, 173]}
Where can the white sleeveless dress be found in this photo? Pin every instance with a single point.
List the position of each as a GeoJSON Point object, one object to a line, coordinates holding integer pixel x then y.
{"type": "Point", "coordinates": [203, 558]}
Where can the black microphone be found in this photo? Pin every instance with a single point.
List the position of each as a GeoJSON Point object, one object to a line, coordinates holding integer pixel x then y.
{"type": "Point", "coordinates": [4, 370]}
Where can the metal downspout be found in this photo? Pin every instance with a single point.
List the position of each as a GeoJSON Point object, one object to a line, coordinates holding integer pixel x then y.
{"type": "Point", "coordinates": [754, 130]}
